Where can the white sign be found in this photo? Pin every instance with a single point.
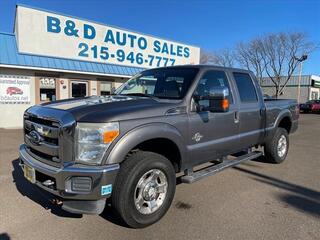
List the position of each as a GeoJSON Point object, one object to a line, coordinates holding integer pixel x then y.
{"type": "Point", "coordinates": [45, 33]}
{"type": "Point", "coordinates": [47, 83]}
{"type": "Point", "coordinates": [14, 89]}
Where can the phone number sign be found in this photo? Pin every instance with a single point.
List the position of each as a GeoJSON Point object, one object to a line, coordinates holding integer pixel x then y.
{"type": "Point", "coordinates": [44, 33]}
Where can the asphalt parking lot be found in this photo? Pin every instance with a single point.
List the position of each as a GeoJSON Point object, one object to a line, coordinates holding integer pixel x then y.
{"type": "Point", "coordinates": [252, 201]}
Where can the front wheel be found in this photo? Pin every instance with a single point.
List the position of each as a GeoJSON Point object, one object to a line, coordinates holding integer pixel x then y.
{"type": "Point", "coordinates": [276, 149]}
{"type": "Point", "coordinates": [144, 189]}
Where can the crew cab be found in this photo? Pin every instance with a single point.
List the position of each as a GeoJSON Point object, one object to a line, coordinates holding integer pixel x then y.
{"type": "Point", "coordinates": [129, 146]}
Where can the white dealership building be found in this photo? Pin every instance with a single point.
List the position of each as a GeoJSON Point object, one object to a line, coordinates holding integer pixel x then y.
{"type": "Point", "coordinates": [52, 56]}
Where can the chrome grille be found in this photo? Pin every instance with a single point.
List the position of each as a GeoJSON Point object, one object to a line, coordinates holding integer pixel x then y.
{"type": "Point", "coordinates": [42, 138]}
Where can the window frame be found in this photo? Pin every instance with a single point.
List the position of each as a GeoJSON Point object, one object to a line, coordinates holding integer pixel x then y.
{"type": "Point", "coordinates": [253, 84]}
{"type": "Point", "coordinates": [231, 93]}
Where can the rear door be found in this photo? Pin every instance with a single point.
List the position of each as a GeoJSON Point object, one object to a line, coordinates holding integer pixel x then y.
{"type": "Point", "coordinates": [251, 114]}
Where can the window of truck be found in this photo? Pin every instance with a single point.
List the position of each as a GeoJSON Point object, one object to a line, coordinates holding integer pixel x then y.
{"type": "Point", "coordinates": [245, 87]}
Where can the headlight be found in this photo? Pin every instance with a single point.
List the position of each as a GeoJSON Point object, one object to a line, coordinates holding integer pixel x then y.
{"type": "Point", "coordinates": [93, 140]}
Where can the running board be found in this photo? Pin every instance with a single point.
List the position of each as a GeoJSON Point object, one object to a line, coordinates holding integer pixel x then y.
{"type": "Point", "coordinates": [211, 170]}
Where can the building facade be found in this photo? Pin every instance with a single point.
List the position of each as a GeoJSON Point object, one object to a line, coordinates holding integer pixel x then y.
{"type": "Point", "coordinates": [309, 87]}
{"type": "Point", "coordinates": [52, 56]}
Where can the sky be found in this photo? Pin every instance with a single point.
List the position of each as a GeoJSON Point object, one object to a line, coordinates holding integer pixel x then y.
{"type": "Point", "coordinates": [211, 25]}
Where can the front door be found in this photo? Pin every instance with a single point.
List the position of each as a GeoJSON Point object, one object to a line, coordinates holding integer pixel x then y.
{"type": "Point", "coordinates": [212, 134]}
{"type": "Point", "coordinates": [79, 89]}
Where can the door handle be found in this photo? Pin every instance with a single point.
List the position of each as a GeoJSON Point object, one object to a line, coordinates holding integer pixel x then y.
{"type": "Point", "coordinates": [236, 117]}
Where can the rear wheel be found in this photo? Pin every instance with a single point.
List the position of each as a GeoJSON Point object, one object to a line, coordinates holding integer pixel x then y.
{"type": "Point", "coordinates": [144, 189]}
{"type": "Point", "coordinates": [276, 149]}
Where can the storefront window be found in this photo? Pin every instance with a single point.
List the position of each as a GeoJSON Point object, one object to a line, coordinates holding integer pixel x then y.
{"type": "Point", "coordinates": [314, 96]}
{"type": "Point", "coordinates": [79, 89]}
{"type": "Point", "coordinates": [47, 89]}
{"type": "Point", "coordinates": [105, 88]}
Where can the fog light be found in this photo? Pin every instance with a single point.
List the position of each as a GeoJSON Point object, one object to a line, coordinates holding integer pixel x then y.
{"type": "Point", "coordinates": [81, 184]}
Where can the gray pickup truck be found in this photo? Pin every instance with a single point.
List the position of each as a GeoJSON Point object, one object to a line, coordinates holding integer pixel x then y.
{"type": "Point", "coordinates": [129, 146]}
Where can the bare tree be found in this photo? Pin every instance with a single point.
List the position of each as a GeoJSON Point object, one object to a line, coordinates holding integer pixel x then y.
{"type": "Point", "coordinates": [279, 54]}
{"type": "Point", "coordinates": [249, 56]}
{"type": "Point", "coordinates": [274, 55]}
{"type": "Point", "coordinates": [224, 57]}
{"type": "Point", "coordinates": [206, 57]}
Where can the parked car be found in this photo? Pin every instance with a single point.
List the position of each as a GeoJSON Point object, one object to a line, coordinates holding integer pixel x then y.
{"type": "Point", "coordinates": [311, 106]}
{"type": "Point", "coordinates": [130, 145]}
{"type": "Point", "coordinates": [14, 91]}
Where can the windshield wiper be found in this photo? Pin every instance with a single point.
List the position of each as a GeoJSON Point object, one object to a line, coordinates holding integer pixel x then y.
{"type": "Point", "coordinates": [142, 95]}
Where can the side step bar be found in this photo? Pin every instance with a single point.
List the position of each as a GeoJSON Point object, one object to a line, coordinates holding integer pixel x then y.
{"type": "Point", "coordinates": [211, 170]}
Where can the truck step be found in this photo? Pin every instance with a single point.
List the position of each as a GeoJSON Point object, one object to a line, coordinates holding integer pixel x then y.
{"type": "Point", "coordinates": [211, 170]}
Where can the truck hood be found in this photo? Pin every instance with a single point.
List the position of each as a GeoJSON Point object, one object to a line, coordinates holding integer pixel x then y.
{"type": "Point", "coordinates": [112, 108]}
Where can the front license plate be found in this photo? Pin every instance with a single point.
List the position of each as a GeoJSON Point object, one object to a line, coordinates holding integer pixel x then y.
{"type": "Point", "coordinates": [29, 173]}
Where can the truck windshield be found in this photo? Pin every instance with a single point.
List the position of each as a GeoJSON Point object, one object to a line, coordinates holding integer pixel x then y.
{"type": "Point", "coordinates": [170, 83]}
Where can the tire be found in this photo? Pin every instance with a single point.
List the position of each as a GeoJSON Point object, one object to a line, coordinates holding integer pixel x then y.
{"type": "Point", "coordinates": [271, 148]}
{"type": "Point", "coordinates": [133, 183]}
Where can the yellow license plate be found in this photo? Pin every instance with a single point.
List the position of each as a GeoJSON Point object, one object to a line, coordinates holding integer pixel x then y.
{"type": "Point", "coordinates": [29, 173]}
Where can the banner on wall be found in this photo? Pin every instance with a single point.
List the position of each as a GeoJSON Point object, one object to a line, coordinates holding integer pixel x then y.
{"type": "Point", "coordinates": [40, 32]}
{"type": "Point", "coordinates": [14, 89]}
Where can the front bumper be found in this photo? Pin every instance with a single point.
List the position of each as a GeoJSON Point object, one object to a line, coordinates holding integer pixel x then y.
{"type": "Point", "coordinates": [89, 201]}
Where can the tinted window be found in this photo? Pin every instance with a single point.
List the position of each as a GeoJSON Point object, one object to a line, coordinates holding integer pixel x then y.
{"type": "Point", "coordinates": [246, 88]}
{"type": "Point", "coordinates": [209, 80]}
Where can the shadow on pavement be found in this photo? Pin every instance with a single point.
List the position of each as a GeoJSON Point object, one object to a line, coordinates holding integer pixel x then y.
{"type": "Point", "coordinates": [4, 236]}
{"type": "Point", "coordinates": [44, 198]}
{"type": "Point", "coordinates": [301, 198]}
{"type": "Point", "coordinates": [109, 215]}
{"type": "Point", "coordinates": [36, 194]}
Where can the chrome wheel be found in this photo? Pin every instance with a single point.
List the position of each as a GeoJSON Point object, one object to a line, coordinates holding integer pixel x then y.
{"type": "Point", "coordinates": [150, 191]}
{"type": "Point", "coordinates": [282, 146]}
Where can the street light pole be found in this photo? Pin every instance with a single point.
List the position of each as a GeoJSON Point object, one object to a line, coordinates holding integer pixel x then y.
{"type": "Point", "coordinates": [301, 59]}
{"type": "Point", "coordinates": [299, 83]}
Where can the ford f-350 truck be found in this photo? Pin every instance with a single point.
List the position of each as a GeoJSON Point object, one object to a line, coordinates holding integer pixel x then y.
{"type": "Point", "coordinates": [129, 146]}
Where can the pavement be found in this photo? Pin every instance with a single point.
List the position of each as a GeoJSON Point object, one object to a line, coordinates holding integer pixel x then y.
{"type": "Point", "coordinates": [255, 200]}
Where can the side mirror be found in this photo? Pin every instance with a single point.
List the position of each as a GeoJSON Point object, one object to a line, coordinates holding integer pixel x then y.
{"type": "Point", "coordinates": [218, 100]}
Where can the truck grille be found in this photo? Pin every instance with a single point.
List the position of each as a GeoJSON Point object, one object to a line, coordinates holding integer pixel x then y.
{"type": "Point", "coordinates": [42, 138]}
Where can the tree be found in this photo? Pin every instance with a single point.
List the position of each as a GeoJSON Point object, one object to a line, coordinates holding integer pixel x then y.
{"type": "Point", "coordinates": [279, 53]}
{"type": "Point", "coordinates": [206, 57]}
{"type": "Point", "coordinates": [224, 57]}
{"type": "Point", "coordinates": [274, 55]}
{"type": "Point", "coordinates": [249, 56]}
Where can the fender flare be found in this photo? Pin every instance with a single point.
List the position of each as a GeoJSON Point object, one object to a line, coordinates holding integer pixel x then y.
{"type": "Point", "coordinates": [282, 115]}
{"type": "Point", "coordinates": [143, 133]}
{"type": "Point", "coordinates": [271, 130]}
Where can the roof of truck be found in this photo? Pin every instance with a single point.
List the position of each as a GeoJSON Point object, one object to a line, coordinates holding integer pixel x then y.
{"type": "Point", "coordinates": [204, 66]}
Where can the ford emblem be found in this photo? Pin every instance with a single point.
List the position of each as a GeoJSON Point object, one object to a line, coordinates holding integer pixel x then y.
{"type": "Point", "coordinates": [35, 137]}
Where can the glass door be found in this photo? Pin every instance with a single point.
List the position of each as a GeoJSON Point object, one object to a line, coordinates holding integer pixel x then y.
{"type": "Point", "coordinates": [79, 89]}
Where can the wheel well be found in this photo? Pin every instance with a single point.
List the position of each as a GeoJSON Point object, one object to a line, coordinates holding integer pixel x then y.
{"type": "Point", "coordinates": [285, 123]}
{"type": "Point", "coordinates": [164, 147]}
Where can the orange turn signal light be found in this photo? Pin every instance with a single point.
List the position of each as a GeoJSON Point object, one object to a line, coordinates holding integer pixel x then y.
{"type": "Point", "coordinates": [225, 104]}
{"type": "Point", "coordinates": [109, 136]}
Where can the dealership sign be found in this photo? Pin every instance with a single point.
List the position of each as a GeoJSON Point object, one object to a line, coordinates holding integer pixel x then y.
{"type": "Point", "coordinates": [14, 89]}
{"type": "Point", "coordinates": [45, 33]}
